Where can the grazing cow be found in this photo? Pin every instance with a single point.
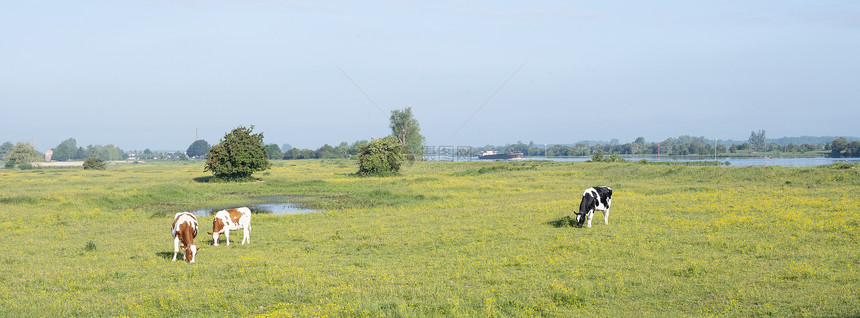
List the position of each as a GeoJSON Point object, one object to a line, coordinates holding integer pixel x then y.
{"type": "Point", "coordinates": [184, 231]}
{"type": "Point", "coordinates": [596, 198]}
{"type": "Point", "coordinates": [231, 220]}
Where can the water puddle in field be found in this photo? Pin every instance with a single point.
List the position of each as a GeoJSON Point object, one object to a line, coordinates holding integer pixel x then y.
{"type": "Point", "coordinates": [275, 205]}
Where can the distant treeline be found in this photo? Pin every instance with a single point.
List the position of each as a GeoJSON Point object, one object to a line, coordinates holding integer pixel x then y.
{"type": "Point", "coordinates": [342, 150]}
{"type": "Point", "coordinates": [68, 150]}
{"type": "Point", "coordinates": [688, 145]}
{"type": "Point", "coordinates": [784, 141]}
{"type": "Point", "coordinates": [808, 140]}
{"type": "Point", "coordinates": [680, 146]}
{"type": "Point", "coordinates": [147, 154]}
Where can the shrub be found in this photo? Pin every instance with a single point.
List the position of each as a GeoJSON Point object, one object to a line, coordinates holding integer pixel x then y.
{"type": "Point", "coordinates": [841, 165]}
{"type": "Point", "coordinates": [599, 157]}
{"type": "Point", "coordinates": [381, 156]}
{"type": "Point", "coordinates": [94, 163]}
{"type": "Point", "coordinates": [239, 154]}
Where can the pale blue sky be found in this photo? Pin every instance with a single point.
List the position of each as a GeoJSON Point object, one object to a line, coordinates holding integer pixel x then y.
{"type": "Point", "coordinates": [146, 73]}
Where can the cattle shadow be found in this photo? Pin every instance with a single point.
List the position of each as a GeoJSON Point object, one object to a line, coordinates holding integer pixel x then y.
{"type": "Point", "coordinates": [562, 222]}
{"type": "Point", "coordinates": [205, 179]}
{"type": "Point", "coordinates": [165, 255]}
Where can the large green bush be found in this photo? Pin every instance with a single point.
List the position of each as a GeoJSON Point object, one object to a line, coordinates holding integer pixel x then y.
{"type": "Point", "coordinates": [381, 156]}
{"type": "Point", "coordinates": [95, 164]}
{"type": "Point", "coordinates": [239, 154]}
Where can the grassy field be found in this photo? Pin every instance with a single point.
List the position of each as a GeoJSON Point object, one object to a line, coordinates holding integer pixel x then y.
{"type": "Point", "coordinates": [443, 239]}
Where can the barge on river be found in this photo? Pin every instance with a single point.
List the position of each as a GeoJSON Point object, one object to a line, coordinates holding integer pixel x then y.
{"type": "Point", "coordinates": [492, 155]}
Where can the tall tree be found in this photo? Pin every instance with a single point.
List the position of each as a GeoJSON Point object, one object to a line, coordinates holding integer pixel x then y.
{"type": "Point", "coordinates": [342, 150]}
{"type": "Point", "coordinates": [356, 147]}
{"type": "Point", "coordinates": [327, 152]}
{"type": "Point", "coordinates": [406, 129]}
{"type": "Point", "coordinates": [198, 148]}
{"type": "Point", "coordinates": [5, 149]}
{"type": "Point", "coordinates": [22, 153]}
{"type": "Point", "coordinates": [758, 139]}
{"type": "Point", "coordinates": [80, 154]}
{"type": "Point", "coordinates": [837, 146]}
{"type": "Point", "coordinates": [853, 149]}
{"type": "Point", "coordinates": [107, 153]}
{"type": "Point", "coordinates": [65, 150]}
{"type": "Point", "coordinates": [274, 151]}
{"type": "Point", "coordinates": [239, 154]}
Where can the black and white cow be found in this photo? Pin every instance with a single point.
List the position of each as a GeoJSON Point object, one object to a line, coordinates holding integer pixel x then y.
{"type": "Point", "coordinates": [596, 198]}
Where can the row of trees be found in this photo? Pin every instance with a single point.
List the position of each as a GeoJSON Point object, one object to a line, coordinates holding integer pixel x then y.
{"type": "Point", "coordinates": [841, 147]}
{"type": "Point", "coordinates": [680, 146]}
{"type": "Point", "coordinates": [200, 148]}
{"type": "Point", "coordinates": [342, 150]}
{"type": "Point", "coordinates": [668, 147]}
{"type": "Point", "coordinates": [23, 154]}
{"type": "Point", "coordinates": [156, 155]}
{"type": "Point", "coordinates": [69, 150]}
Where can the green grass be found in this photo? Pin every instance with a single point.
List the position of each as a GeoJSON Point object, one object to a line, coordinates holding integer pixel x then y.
{"type": "Point", "coordinates": [441, 239]}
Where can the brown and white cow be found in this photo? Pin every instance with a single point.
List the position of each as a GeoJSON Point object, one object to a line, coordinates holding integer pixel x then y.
{"type": "Point", "coordinates": [184, 231]}
{"type": "Point", "coordinates": [231, 220]}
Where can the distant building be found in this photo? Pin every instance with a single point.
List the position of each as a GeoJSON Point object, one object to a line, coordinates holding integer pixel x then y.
{"type": "Point", "coordinates": [49, 154]}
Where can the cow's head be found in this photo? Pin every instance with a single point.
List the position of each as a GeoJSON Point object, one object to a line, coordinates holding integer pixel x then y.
{"type": "Point", "coordinates": [217, 227]}
{"type": "Point", "coordinates": [585, 206]}
{"type": "Point", "coordinates": [580, 219]}
{"type": "Point", "coordinates": [190, 253]}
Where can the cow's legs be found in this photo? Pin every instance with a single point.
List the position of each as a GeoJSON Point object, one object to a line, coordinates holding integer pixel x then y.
{"type": "Point", "coordinates": [246, 235]}
{"type": "Point", "coordinates": [227, 235]}
{"type": "Point", "coordinates": [590, 215]}
{"type": "Point", "coordinates": [175, 247]}
{"type": "Point", "coordinates": [606, 216]}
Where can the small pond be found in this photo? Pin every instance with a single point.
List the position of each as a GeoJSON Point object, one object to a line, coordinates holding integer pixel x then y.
{"type": "Point", "coordinates": [276, 205]}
